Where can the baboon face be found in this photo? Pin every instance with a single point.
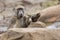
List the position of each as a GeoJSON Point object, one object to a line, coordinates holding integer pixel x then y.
{"type": "Point", "coordinates": [35, 17]}
{"type": "Point", "coordinates": [20, 13]}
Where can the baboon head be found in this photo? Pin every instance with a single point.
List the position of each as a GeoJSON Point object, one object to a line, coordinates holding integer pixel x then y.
{"type": "Point", "coordinates": [35, 17]}
{"type": "Point", "coordinates": [20, 13]}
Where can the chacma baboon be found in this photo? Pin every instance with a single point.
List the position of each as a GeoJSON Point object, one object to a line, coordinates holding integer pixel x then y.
{"type": "Point", "coordinates": [20, 13]}
{"type": "Point", "coordinates": [19, 20]}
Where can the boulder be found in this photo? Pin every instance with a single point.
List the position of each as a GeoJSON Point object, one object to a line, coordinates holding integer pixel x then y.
{"type": "Point", "coordinates": [37, 24]}
{"type": "Point", "coordinates": [31, 34]}
{"type": "Point", "coordinates": [50, 14]}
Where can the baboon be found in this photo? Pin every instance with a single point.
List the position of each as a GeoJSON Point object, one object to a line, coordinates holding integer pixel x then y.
{"type": "Point", "coordinates": [19, 20]}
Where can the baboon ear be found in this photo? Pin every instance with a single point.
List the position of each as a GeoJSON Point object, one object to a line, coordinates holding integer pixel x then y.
{"type": "Point", "coordinates": [35, 17]}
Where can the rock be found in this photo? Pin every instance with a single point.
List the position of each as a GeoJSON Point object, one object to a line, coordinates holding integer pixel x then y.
{"type": "Point", "coordinates": [12, 35]}
{"type": "Point", "coordinates": [1, 17]}
{"type": "Point", "coordinates": [35, 1]}
{"type": "Point", "coordinates": [54, 25]}
{"type": "Point", "coordinates": [37, 24]}
{"type": "Point", "coordinates": [31, 34]}
{"type": "Point", "coordinates": [30, 5]}
{"type": "Point", "coordinates": [50, 14]}
{"type": "Point", "coordinates": [3, 26]}
{"type": "Point", "coordinates": [2, 7]}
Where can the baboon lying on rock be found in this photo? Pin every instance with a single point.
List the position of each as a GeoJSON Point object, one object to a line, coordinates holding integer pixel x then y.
{"type": "Point", "coordinates": [51, 14]}
{"type": "Point", "coordinates": [19, 20]}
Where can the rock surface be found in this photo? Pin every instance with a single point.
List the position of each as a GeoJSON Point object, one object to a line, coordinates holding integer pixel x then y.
{"type": "Point", "coordinates": [54, 25]}
{"type": "Point", "coordinates": [31, 34]}
{"type": "Point", "coordinates": [37, 24]}
{"type": "Point", "coordinates": [51, 14]}
{"type": "Point", "coordinates": [7, 6]}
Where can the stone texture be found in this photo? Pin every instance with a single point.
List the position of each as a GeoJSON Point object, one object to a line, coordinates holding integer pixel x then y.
{"type": "Point", "coordinates": [31, 34]}
{"type": "Point", "coordinates": [2, 7]}
{"type": "Point", "coordinates": [37, 24]}
{"type": "Point", "coordinates": [30, 5]}
{"type": "Point", "coordinates": [50, 14]}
